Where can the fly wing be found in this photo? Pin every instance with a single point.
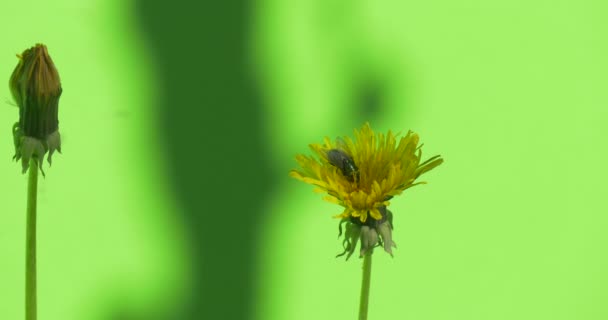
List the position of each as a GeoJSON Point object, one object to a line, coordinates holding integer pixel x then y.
{"type": "Point", "coordinates": [342, 145]}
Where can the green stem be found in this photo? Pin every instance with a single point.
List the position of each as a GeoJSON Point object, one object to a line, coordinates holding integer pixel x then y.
{"type": "Point", "coordinates": [367, 273]}
{"type": "Point", "coordinates": [30, 243]}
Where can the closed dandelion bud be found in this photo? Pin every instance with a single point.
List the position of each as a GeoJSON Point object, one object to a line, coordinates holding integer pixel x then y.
{"type": "Point", "coordinates": [36, 88]}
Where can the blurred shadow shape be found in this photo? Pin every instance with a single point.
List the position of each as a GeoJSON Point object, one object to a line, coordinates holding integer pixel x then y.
{"type": "Point", "coordinates": [211, 123]}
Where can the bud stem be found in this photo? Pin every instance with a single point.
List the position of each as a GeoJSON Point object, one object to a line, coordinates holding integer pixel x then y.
{"type": "Point", "coordinates": [30, 243]}
{"type": "Point", "coordinates": [367, 274]}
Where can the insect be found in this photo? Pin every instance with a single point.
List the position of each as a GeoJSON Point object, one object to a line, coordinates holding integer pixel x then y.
{"type": "Point", "coordinates": [341, 159]}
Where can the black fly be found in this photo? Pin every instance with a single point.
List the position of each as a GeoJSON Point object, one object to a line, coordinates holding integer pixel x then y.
{"type": "Point", "coordinates": [339, 158]}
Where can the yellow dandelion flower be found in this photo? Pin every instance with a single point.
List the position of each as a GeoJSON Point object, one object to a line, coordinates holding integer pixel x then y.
{"type": "Point", "coordinates": [362, 175]}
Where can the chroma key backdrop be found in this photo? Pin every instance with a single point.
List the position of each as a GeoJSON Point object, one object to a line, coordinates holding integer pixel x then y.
{"type": "Point", "coordinates": [180, 122]}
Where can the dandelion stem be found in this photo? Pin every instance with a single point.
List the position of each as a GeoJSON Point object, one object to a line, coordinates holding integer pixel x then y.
{"type": "Point", "coordinates": [367, 273]}
{"type": "Point", "coordinates": [30, 243]}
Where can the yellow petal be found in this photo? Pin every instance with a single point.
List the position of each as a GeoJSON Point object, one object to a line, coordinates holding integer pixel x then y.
{"type": "Point", "coordinates": [375, 213]}
{"type": "Point", "coordinates": [344, 214]}
{"type": "Point", "coordinates": [331, 199]}
{"type": "Point", "coordinates": [363, 217]}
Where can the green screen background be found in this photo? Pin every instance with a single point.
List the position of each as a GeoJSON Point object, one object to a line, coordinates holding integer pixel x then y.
{"type": "Point", "coordinates": [180, 121]}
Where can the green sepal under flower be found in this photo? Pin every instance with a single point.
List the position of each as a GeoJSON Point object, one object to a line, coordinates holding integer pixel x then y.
{"type": "Point", "coordinates": [36, 89]}
{"type": "Point", "coordinates": [371, 234]}
{"type": "Point", "coordinates": [27, 148]}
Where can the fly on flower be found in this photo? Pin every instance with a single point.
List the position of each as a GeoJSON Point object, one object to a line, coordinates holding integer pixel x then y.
{"type": "Point", "coordinates": [342, 160]}
{"type": "Point", "coordinates": [362, 174]}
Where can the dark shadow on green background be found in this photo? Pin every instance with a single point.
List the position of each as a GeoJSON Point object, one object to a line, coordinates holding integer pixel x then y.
{"type": "Point", "coordinates": [369, 94]}
{"type": "Point", "coordinates": [211, 120]}
{"type": "Point", "coordinates": [211, 123]}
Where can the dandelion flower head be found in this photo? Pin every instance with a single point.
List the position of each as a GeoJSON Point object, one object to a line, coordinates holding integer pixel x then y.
{"type": "Point", "coordinates": [362, 174]}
